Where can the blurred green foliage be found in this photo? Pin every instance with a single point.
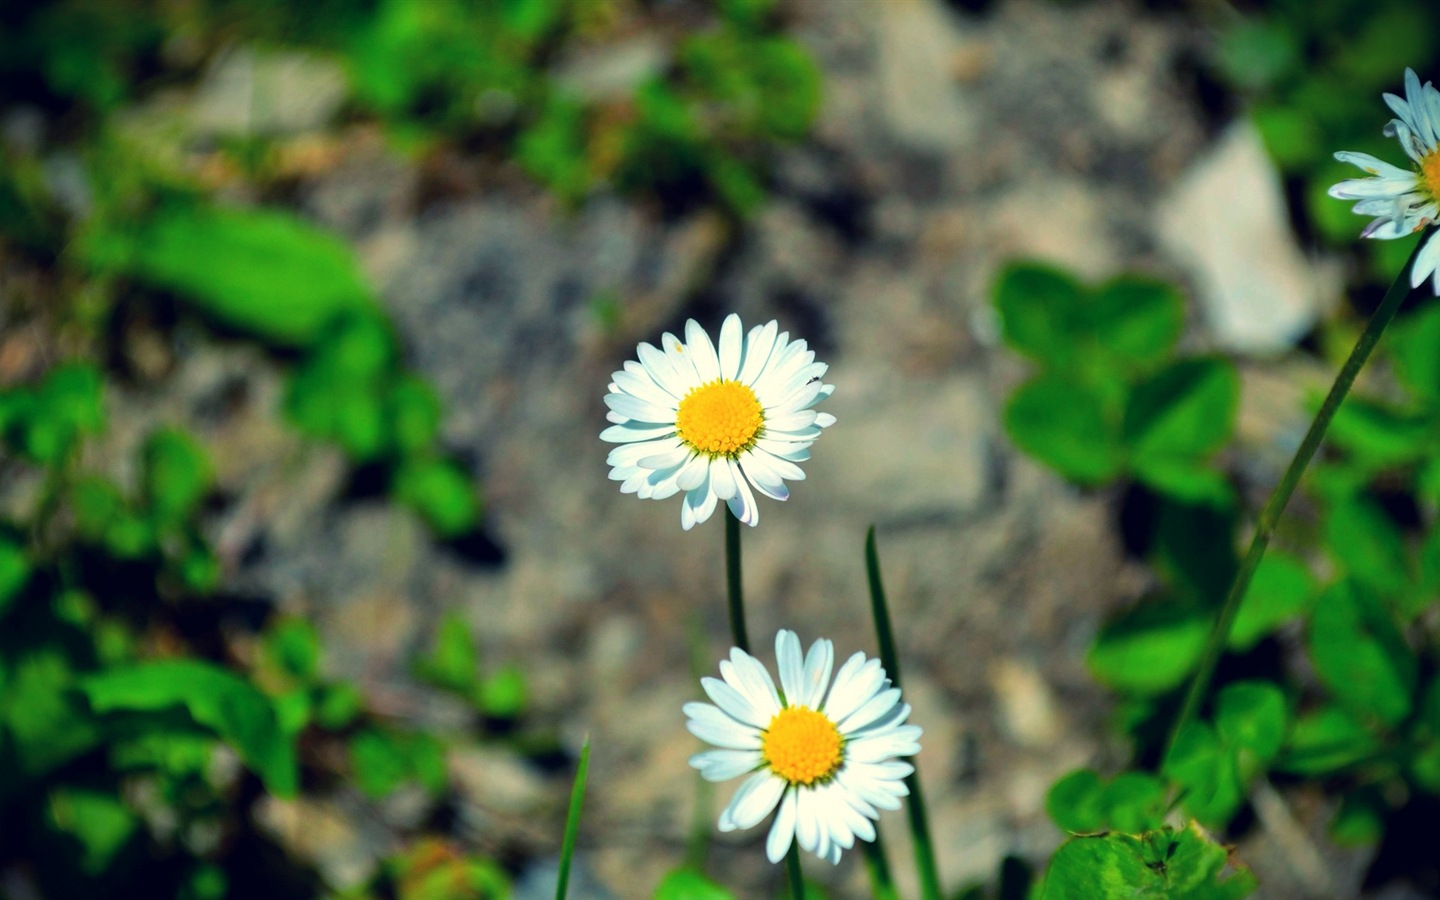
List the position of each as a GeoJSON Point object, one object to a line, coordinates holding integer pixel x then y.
{"type": "Point", "coordinates": [1163, 864]}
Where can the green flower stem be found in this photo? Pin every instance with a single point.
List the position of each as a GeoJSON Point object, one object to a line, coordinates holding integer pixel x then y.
{"type": "Point", "coordinates": [882, 887]}
{"type": "Point", "coordinates": [735, 592]}
{"type": "Point", "coordinates": [1270, 515]}
{"type": "Point", "coordinates": [915, 809]}
{"type": "Point", "coordinates": [572, 821]}
{"type": "Point", "coordinates": [792, 871]}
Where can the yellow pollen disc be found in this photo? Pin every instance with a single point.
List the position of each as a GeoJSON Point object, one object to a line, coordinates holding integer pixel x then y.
{"type": "Point", "coordinates": [721, 418]}
{"type": "Point", "coordinates": [802, 746]}
{"type": "Point", "coordinates": [1430, 173]}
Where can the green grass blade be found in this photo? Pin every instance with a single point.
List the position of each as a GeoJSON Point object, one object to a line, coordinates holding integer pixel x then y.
{"type": "Point", "coordinates": [915, 809]}
{"type": "Point", "coordinates": [572, 821]}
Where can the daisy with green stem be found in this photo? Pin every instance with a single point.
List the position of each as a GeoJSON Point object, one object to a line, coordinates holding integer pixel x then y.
{"type": "Point", "coordinates": [715, 422]}
{"type": "Point", "coordinates": [822, 754]}
{"type": "Point", "coordinates": [1403, 201]}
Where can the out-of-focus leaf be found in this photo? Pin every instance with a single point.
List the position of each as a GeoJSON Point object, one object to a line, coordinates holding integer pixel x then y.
{"type": "Point", "coordinates": [1257, 53]}
{"type": "Point", "coordinates": [1186, 411]}
{"type": "Point", "coordinates": [1413, 340]}
{"type": "Point", "coordinates": [175, 474]}
{"type": "Point", "coordinates": [1076, 802]}
{"type": "Point", "coordinates": [1067, 426]}
{"type": "Point", "coordinates": [14, 571]}
{"type": "Point", "coordinates": [1151, 648]}
{"type": "Point", "coordinates": [1281, 589]}
{"type": "Point", "coordinates": [415, 414]}
{"type": "Point", "coordinates": [1360, 654]}
{"type": "Point", "coordinates": [216, 699]}
{"type": "Point", "coordinates": [262, 271]}
{"type": "Point", "coordinates": [440, 493]}
{"type": "Point", "coordinates": [384, 760]}
{"type": "Point", "coordinates": [99, 822]}
{"type": "Point", "coordinates": [1368, 544]}
{"type": "Point", "coordinates": [1325, 741]}
{"type": "Point", "coordinates": [688, 884]}
{"type": "Point", "coordinates": [1360, 820]}
{"type": "Point", "coordinates": [1379, 434]}
{"type": "Point", "coordinates": [1208, 773]}
{"type": "Point", "coordinates": [1038, 307]}
{"type": "Point", "coordinates": [1251, 715]}
{"type": "Point", "coordinates": [503, 693]}
{"type": "Point", "coordinates": [293, 647]}
{"type": "Point", "coordinates": [453, 662]}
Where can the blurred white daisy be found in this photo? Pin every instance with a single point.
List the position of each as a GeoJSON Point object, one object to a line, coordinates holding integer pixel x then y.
{"type": "Point", "coordinates": [1403, 201]}
{"type": "Point", "coordinates": [823, 753]}
{"type": "Point", "coordinates": [714, 423]}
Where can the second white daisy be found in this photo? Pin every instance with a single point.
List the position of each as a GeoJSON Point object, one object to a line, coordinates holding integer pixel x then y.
{"type": "Point", "coordinates": [713, 423]}
{"type": "Point", "coordinates": [1403, 201]}
{"type": "Point", "coordinates": [823, 753]}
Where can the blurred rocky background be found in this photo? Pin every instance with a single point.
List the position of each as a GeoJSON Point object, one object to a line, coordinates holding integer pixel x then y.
{"type": "Point", "coordinates": [944, 140]}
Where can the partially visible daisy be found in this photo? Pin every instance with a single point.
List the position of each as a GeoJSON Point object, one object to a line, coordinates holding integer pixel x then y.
{"type": "Point", "coordinates": [1403, 201]}
{"type": "Point", "coordinates": [713, 423]}
{"type": "Point", "coordinates": [823, 753]}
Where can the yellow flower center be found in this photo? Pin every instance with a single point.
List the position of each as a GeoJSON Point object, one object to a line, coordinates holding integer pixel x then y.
{"type": "Point", "coordinates": [802, 746]}
{"type": "Point", "coordinates": [721, 418]}
{"type": "Point", "coordinates": [1430, 173]}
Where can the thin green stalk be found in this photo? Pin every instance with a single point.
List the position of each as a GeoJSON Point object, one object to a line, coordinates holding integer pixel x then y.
{"type": "Point", "coordinates": [735, 593]}
{"type": "Point", "coordinates": [915, 809]}
{"type": "Point", "coordinates": [882, 887]}
{"type": "Point", "coordinates": [1270, 515]}
{"type": "Point", "coordinates": [792, 871]}
{"type": "Point", "coordinates": [572, 821]}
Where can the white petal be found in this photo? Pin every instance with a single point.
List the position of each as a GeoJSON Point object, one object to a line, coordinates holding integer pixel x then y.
{"type": "Point", "coordinates": [790, 662]}
{"type": "Point", "coordinates": [1426, 262]}
{"type": "Point", "coordinates": [712, 726]}
{"type": "Point", "coordinates": [734, 703]}
{"type": "Point", "coordinates": [722, 479]}
{"type": "Point", "coordinates": [694, 473]}
{"type": "Point", "coordinates": [645, 388]}
{"type": "Point", "coordinates": [807, 823]}
{"type": "Point", "coordinates": [731, 335]}
{"type": "Point", "coordinates": [872, 709]}
{"type": "Point", "coordinates": [745, 673]}
{"type": "Point", "coordinates": [783, 831]}
{"type": "Point", "coordinates": [742, 505]}
{"type": "Point", "coordinates": [628, 433]}
{"type": "Point", "coordinates": [757, 352]}
{"type": "Point", "coordinates": [749, 807]}
{"type": "Point", "coordinates": [701, 352]}
{"type": "Point", "coordinates": [818, 665]}
{"type": "Point", "coordinates": [667, 458]}
{"type": "Point", "coordinates": [761, 474]}
{"type": "Point", "coordinates": [723, 765]}
{"type": "Point", "coordinates": [634, 408]}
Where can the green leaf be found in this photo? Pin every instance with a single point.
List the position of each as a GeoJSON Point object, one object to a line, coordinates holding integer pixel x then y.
{"type": "Point", "coordinates": [1325, 741]}
{"type": "Point", "coordinates": [262, 271]}
{"type": "Point", "coordinates": [1135, 321]}
{"type": "Point", "coordinates": [292, 646]}
{"type": "Point", "coordinates": [688, 884]}
{"type": "Point", "coordinates": [44, 726]}
{"type": "Point", "coordinates": [1368, 544]}
{"type": "Point", "coordinates": [1413, 340]}
{"type": "Point", "coordinates": [1281, 589]}
{"type": "Point", "coordinates": [1076, 802]}
{"type": "Point", "coordinates": [415, 414]}
{"type": "Point", "coordinates": [1134, 802]}
{"type": "Point", "coordinates": [1360, 820]}
{"type": "Point", "coordinates": [216, 699]}
{"type": "Point", "coordinates": [1067, 426]}
{"type": "Point", "coordinates": [1039, 306]}
{"type": "Point", "coordinates": [1360, 655]}
{"type": "Point", "coordinates": [1157, 865]}
{"type": "Point", "coordinates": [100, 822]}
{"type": "Point", "coordinates": [337, 705]}
{"type": "Point", "coordinates": [175, 475]}
{"type": "Point", "coordinates": [384, 760]}
{"type": "Point", "coordinates": [1184, 411]}
{"type": "Point", "coordinates": [1256, 54]}
{"type": "Point", "coordinates": [1208, 773]}
{"type": "Point", "coordinates": [14, 572]}
{"type": "Point", "coordinates": [1151, 648]}
{"type": "Point", "coordinates": [440, 493]}
{"type": "Point", "coordinates": [1377, 434]}
{"type": "Point", "coordinates": [503, 695]}
{"type": "Point", "coordinates": [453, 663]}
{"type": "Point", "coordinates": [1251, 715]}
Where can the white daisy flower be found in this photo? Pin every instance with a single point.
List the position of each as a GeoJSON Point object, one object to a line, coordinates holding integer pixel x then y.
{"type": "Point", "coordinates": [1403, 201]}
{"type": "Point", "coordinates": [824, 753]}
{"type": "Point", "coordinates": [714, 424]}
